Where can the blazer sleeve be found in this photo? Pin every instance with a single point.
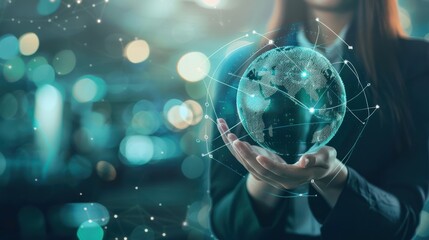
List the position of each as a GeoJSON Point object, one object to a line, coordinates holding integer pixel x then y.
{"type": "Point", "coordinates": [232, 215]}
{"type": "Point", "coordinates": [391, 209]}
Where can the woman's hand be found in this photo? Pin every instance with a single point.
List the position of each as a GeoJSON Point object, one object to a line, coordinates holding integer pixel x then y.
{"type": "Point", "coordinates": [322, 169]}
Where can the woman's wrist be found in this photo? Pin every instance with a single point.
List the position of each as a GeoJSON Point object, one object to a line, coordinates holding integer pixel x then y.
{"type": "Point", "coordinates": [331, 186]}
{"type": "Point", "coordinates": [262, 193]}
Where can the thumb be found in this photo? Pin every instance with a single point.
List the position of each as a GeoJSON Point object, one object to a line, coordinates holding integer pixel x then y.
{"type": "Point", "coordinates": [319, 159]}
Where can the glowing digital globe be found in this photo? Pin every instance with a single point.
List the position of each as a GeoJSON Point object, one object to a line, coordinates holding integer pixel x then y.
{"type": "Point", "coordinates": [291, 100]}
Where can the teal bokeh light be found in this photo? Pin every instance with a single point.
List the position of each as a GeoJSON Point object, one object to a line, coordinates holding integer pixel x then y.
{"type": "Point", "coordinates": [14, 69]}
{"type": "Point", "coordinates": [47, 7]}
{"type": "Point", "coordinates": [90, 230]}
{"type": "Point", "coordinates": [9, 47]}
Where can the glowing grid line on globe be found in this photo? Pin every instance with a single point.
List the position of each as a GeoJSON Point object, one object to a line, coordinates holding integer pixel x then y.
{"type": "Point", "coordinates": [311, 109]}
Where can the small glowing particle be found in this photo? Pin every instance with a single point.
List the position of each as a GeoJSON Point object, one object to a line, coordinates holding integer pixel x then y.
{"type": "Point", "coordinates": [160, 204]}
{"type": "Point", "coordinates": [36, 179]}
{"type": "Point", "coordinates": [317, 19]}
{"type": "Point", "coordinates": [311, 110]}
{"type": "Point", "coordinates": [312, 181]}
{"type": "Point", "coordinates": [377, 106]}
{"type": "Point", "coordinates": [98, 20]}
{"type": "Point", "coordinates": [103, 219]}
{"type": "Point", "coordinates": [185, 223]}
{"type": "Point", "coordinates": [351, 47]}
{"type": "Point", "coordinates": [125, 238]}
{"type": "Point", "coordinates": [300, 195]}
{"type": "Point", "coordinates": [254, 32]}
{"type": "Point", "coordinates": [271, 42]}
{"type": "Point", "coordinates": [80, 194]}
{"type": "Point", "coordinates": [304, 74]}
{"type": "Point", "coordinates": [90, 221]}
{"type": "Point", "coordinates": [146, 230]}
{"type": "Point", "coordinates": [164, 234]}
{"type": "Point", "coordinates": [152, 218]}
{"type": "Point", "coordinates": [35, 129]}
{"type": "Point", "coordinates": [136, 188]}
{"type": "Point", "coordinates": [85, 209]}
{"type": "Point", "coordinates": [115, 216]}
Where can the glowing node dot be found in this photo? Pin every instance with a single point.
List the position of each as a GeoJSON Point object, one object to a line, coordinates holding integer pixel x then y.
{"type": "Point", "coordinates": [152, 218]}
{"type": "Point", "coordinates": [304, 74]}
{"type": "Point", "coordinates": [136, 188]}
{"type": "Point", "coordinates": [206, 116]}
{"type": "Point", "coordinates": [311, 110]}
{"type": "Point", "coordinates": [80, 194]}
{"type": "Point", "coordinates": [345, 61]}
{"type": "Point", "coordinates": [90, 220]}
{"type": "Point", "coordinates": [160, 204]}
{"type": "Point", "coordinates": [300, 195]}
{"type": "Point", "coordinates": [85, 209]}
{"type": "Point", "coordinates": [35, 129]}
{"type": "Point", "coordinates": [210, 156]}
{"type": "Point", "coordinates": [146, 230]}
{"type": "Point", "coordinates": [164, 234]}
{"type": "Point", "coordinates": [98, 20]}
{"type": "Point", "coordinates": [185, 223]}
{"type": "Point", "coordinates": [369, 84]}
{"type": "Point", "coordinates": [115, 216]}
{"type": "Point", "coordinates": [317, 19]}
{"type": "Point", "coordinates": [36, 179]}
{"type": "Point", "coordinates": [377, 106]}
{"type": "Point", "coordinates": [312, 181]}
{"type": "Point", "coordinates": [351, 47]}
{"type": "Point", "coordinates": [125, 238]}
{"type": "Point", "coordinates": [247, 35]}
{"type": "Point", "coordinates": [253, 95]}
{"type": "Point", "coordinates": [254, 32]}
{"type": "Point", "coordinates": [271, 42]}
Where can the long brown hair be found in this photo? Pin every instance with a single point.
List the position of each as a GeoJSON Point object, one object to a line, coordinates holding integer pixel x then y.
{"type": "Point", "coordinates": [379, 29]}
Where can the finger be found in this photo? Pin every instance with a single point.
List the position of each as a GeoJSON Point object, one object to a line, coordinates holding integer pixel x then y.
{"type": "Point", "coordinates": [231, 138]}
{"type": "Point", "coordinates": [321, 158]}
{"type": "Point", "coordinates": [249, 156]}
{"type": "Point", "coordinates": [284, 170]}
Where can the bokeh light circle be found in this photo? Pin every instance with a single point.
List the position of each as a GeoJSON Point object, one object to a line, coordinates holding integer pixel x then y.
{"type": "Point", "coordinates": [193, 66]}
{"type": "Point", "coordinates": [9, 47]}
{"type": "Point", "coordinates": [90, 230]}
{"type": "Point", "coordinates": [14, 69]}
{"type": "Point", "coordinates": [28, 44]}
{"type": "Point", "coordinates": [136, 150]}
{"type": "Point", "coordinates": [64, 62]}
{"type": "Point", "coordinates": [137, 51]}
{"type": "Point", "coordinates": [192, 167]}
{"type": "Point", "coordinates": [106, 171]}
{"type": "Point", "coordinates": [89, 88]}
{"type": "Point", "coordinates": [42, 74]}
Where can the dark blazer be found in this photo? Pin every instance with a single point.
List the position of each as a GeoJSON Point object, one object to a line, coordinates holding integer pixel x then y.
{"type": "Point", "coordinates": [386, 186]}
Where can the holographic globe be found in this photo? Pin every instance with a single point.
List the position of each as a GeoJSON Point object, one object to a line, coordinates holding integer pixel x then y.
{"type": "Point", "coordinates": [291, 100]}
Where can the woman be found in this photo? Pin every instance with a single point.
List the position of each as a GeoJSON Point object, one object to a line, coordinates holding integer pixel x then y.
{"type": "Point", "coordinates": [381, 190]}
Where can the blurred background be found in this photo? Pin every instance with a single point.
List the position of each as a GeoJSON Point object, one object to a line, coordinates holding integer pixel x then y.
{"type": "Point", "coordinates": [102, 125]}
